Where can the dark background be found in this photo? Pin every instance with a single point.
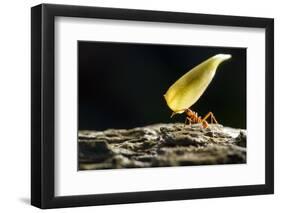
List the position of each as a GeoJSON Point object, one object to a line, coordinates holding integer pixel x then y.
{"type": "Point", "coordinates": [121, 85]}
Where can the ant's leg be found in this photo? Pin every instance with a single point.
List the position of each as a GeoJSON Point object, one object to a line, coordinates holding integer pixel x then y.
{"type": "Point", "coordinates": [173, 114]}
{"type": "Point", "coordinates": [213, 119]}
{"type": "Point", "coordinates": [206, 116]}
{"type": "Point", "coordinates": [187, 119]}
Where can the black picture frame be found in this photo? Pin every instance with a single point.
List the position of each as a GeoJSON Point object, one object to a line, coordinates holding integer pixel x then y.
{"type": "Point", "coordinates": [43, 117]}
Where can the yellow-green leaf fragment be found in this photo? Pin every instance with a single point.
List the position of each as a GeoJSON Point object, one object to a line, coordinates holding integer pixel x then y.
{"type": "Point", "coordinates": [189, 88]}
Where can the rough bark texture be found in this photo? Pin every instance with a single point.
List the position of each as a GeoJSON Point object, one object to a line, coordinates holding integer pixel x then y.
{"type": "Point", "coordinates": [161, 145]}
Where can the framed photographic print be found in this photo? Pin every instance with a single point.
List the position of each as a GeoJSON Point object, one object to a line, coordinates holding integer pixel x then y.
{"type": "Point", "coordinates": [140, 106]}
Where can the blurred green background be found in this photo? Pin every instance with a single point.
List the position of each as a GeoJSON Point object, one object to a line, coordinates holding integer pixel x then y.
{"type": "Point", "coordinates": [121, 85]}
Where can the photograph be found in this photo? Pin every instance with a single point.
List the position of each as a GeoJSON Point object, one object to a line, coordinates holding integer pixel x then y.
{"type": "Point", "coordinates": [144, 105]}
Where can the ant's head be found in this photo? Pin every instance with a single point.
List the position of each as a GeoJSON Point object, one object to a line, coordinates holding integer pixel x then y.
{"type": "Point", "coordinates": [189, 112]}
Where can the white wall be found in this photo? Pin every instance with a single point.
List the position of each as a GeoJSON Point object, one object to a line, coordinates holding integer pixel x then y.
{"type": "Point", "coordinates": [15, 104]}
